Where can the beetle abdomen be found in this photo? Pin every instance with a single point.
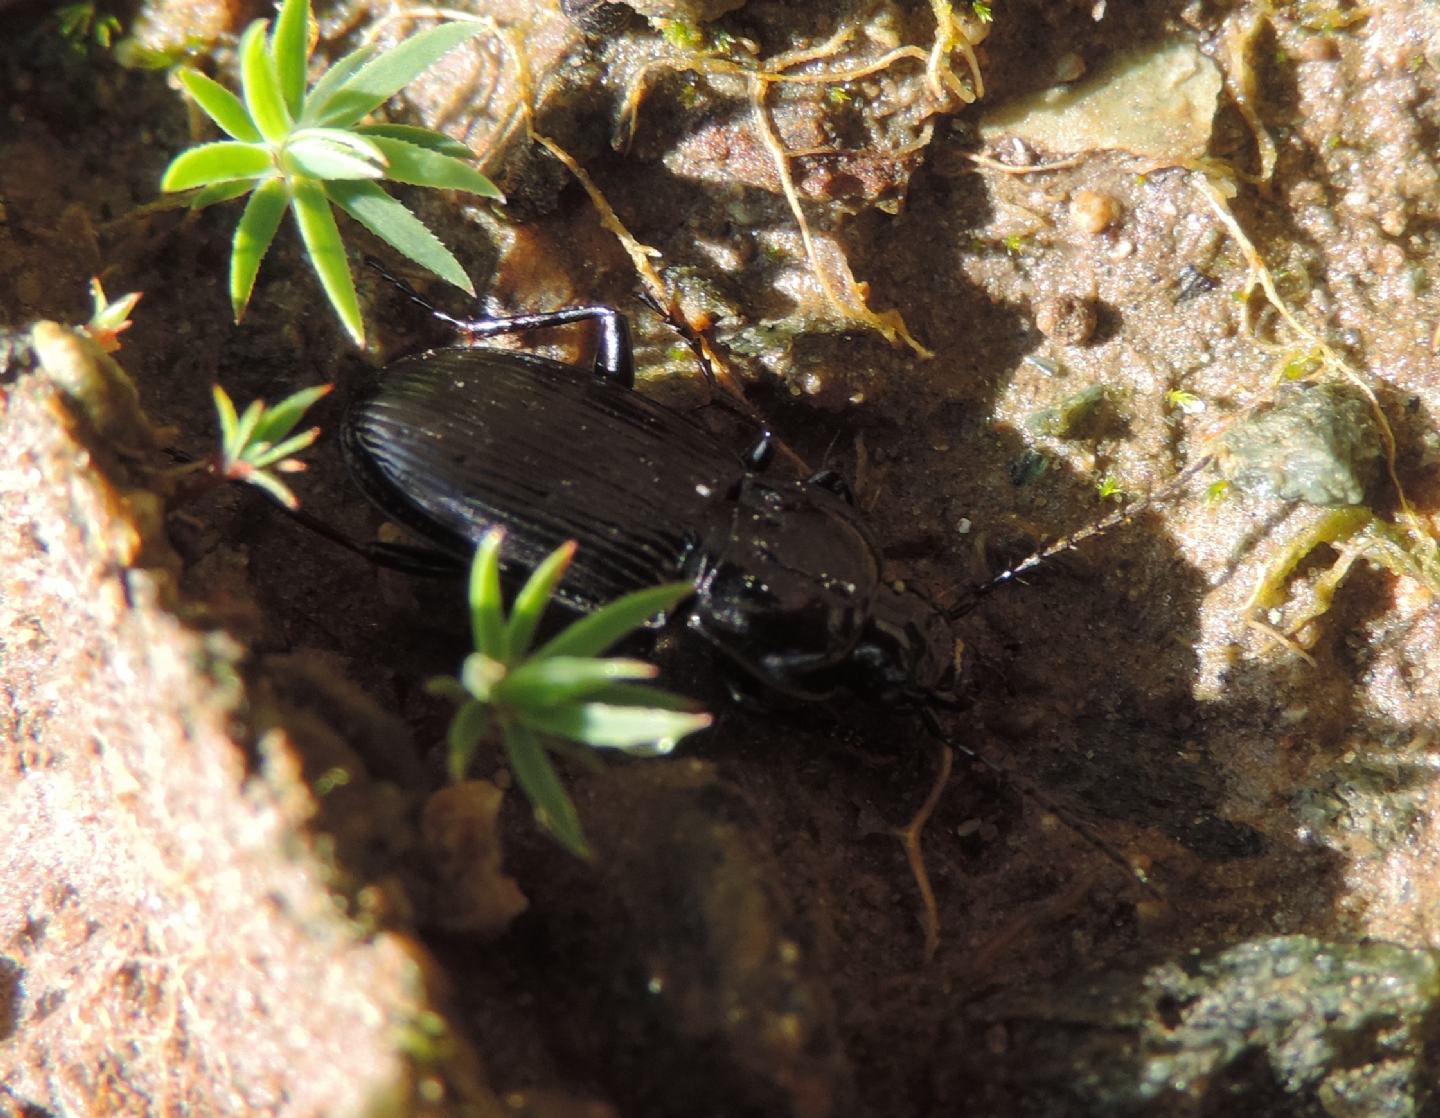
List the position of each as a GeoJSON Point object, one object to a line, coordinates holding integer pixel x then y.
{"type": "Point", "coordinates": [459, 440]}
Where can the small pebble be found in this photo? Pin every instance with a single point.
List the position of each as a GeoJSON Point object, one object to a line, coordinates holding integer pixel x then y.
{"type": "Point", "coordinates": [1093, 211]}
{"type": "Point", "coordinates": [1068, 319]}
{"type": "Point", "coordinates": [1069, 67]}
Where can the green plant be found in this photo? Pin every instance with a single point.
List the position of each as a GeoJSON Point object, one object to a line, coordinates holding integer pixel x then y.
{"type": "Point", "coordinates": [258, 444]}
{"type": "Point", "coordinates": [560, 693]}
{"type": "Point", "coordinates": [82, 23]}
{"type": "Point", "coordinates": [108, 320]}
{"type": "Point", "coordinates": [1183, 401]}
{"type": "Point", "coordinates": [1109, 489]}
{"type": "Point", "coordinates": [306, 149]}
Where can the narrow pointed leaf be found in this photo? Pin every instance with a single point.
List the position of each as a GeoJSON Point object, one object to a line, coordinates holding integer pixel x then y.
{"type": "Point", "coordinates": [592, 635]}
{"type": "Point", "coordinates": [535, 595]}
{"type": "Point", "coordinates": [253, 235]}
{"type": "Point", "coordinates": [382, 77]}
{"type": "Point", "coordinates": [221, 161]}
{"type": "Point", "coordinates": [418, 166]}
{"type": "Point", "coordinates": [447, 687]}
{"type": "Point", "coordinates": [222, 192]}
{"type": "Point", "coordinates": [647, 729]}
{"type": "Point", "coordinates": [280, 420]}
{"type": "Point", "coordinates": [356, 144]}
{"type": "Point", "coordinates": [639, 695]}
{"type": "Point", "coordinates": [319, 158]}
{"type": "Point", "coordinates": [362, 146]}
{"type": "Point", "coordinates": [541, 784]}
{"type": "Point", "coordinates": [420, 137]}
{"type": "Point", "coordinates": [221, 106]}
{"type": "Point", "coordinates": [566, 679]}
{"type": "Point", "coordinates": [277, 489]}
{"type": "Point", "coordinates": [225, 409]}
{"type": "Point", "coordinates": [245, 428]}
{"type": "Point", "coordinates": [331, 80]}
{"type": "Point", "coordinates": [467, 731]}
{"type": "Point", "coordinates": [487, 614]}
{"type": "Point", "coordinates": [278, 454]}
{"type": "Point", "coordinates": [327, 253]}
{"type": "Point", "coordinates": [261, 85]}
{"type": "Point", "coordinates": [290, 49]}
{"type": "Point", "coordinates": [399, 228]}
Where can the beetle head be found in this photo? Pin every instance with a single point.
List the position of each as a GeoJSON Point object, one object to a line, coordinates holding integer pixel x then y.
{"type": "Point", "coordinates": [906, 653]}
{"type": "Point", "coordinates": [790, 592]}
{"type": "Point", "coordinates": [788, 579]}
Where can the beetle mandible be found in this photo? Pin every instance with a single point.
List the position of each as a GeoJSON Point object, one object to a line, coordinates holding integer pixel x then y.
{"type": "Point", "coordinates": [455, 441]}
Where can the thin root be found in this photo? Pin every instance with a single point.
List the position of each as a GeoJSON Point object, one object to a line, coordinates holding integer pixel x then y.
{"type": "Point", "coordinates": [909, 836]}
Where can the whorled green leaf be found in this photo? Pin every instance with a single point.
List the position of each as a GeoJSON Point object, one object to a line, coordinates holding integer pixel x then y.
{"type": "Point", "coordinates": [362, 147]}
{"type": "Point", "coordinates": [272, 485]}
{"type": "Point", "coordinates": [262, 455]}
{"type": "Point", "coordinates": [290, 50]}
{"type": "Point", "coordinates": [382, 77]}
{"type": "Point", "coordinates": [222, 192]}
{"type": "Point", "coordinates": [253, 234]}
{"type": "Point", "coordinates": [487, 606]}
{"type": "Point", "coordinates": [541, 784]}
{"type": "Point", "coordinates": [467, 731]}
{"type": "Point", "coordinates": [447, 687]}
{"type": "Point", "coordinates": [218, 162]}
{"type": "Point", "coordinates": [331, 80]}
{"type": "Point", "coordinates": [534, 596]}
{"type": "Point", "coordinates": [398, 227]}
{"type": "Point", "coordinates": [319, 157]}
{"type": "Point", "coordinates": [566, 679]}
{"type": "Point", "coordinates": [262, 86]}
{"type": "Point", "coordinates": [221, 106]}
{"type": "Point", "coordinates": [593, 634]}
{"type": "Point", "coordinates": [327, 253]}
{"type": "Point", "coordinates": [419, 166]}
{"type": "Point", "coordinates": [245, 428]}
{"type": "Point", "coordinates": [225, 410]}
{"type": "Point", "coordinates": [280, 420]}
{"type": "Point", "coordinates": [420, 137]}
{"type": "Point", "coordinates": [646, 729]}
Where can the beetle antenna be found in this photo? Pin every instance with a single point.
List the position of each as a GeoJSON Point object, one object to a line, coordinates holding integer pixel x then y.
{"type": "Point", "coordinates": [414, 296]}
{"type": "Point", "coordinates": [1074, 539]}
{"type": "Point", "coordinates": [688, 334]}
{"type": "Point", "coordinates": [1044, 802]}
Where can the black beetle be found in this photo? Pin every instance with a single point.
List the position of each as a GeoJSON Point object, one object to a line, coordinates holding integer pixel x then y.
{"type": "Point", "coordinates": [455, 441]}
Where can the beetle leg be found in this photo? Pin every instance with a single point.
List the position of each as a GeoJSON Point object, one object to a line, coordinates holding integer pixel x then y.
{"type": "Point", "coordinates": [396, 556]}
{"type": "Point", "coordinates": [614, 358]}
{"type": "Point", "coordinates": [614, 354]}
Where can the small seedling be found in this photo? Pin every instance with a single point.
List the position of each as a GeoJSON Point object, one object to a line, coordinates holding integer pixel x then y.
{"type": "Point", "coordinates": [1109, 489]}
{"type": "Point", "coordinates": [83, 23]}
{"type": "Point", "coordinates": [560, 693]}
{"type": "Point", "coordinates": [306, 149]}
{"type": "Point", "coordinates": [108, 320]}
{"type": "Point", "coordinates": [1183, 401]}
{"type": "Point", "coordinates": [257, 445]}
